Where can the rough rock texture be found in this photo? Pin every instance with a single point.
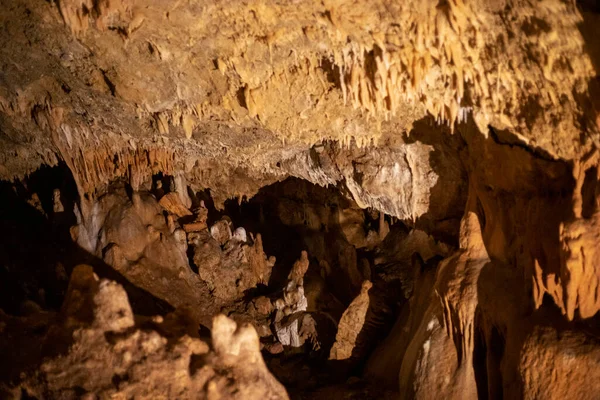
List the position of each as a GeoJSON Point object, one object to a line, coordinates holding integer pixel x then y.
{"type": "Point", "coordinates": [436, 345]}
{"type": "Point", "coordinates": [580, 270]}
{"type": "Point", "coordinates": [299, 269]}
{"type": "Point", "coordinates": [351, 325]}
{"type": "Point", "coordinates": [577, 286]}
{"type": "Point", "coordinates": [548, 355]}
{"type": "Point", "coordinates": [473, 123]}
{"type": "Point", "coordinates": [258, 81]}
{"type": "Point", "coordinates": [134, 237]}
{"type": "Point", "coordinates": [143, 241]}
{"type": "Point", "coordinates": [505, 62]}
{"type": "Point", "coordinates": [111, 357]}
{"type": "Point", "coordinates": [468, 333]}
{"type": "Point", "coordinates": [456, 285]}
{"type": "Point", "coordinates": [230, 271]}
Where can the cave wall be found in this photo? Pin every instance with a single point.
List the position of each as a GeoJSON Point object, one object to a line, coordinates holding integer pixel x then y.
{"type": "Point", "coordinates": [474, 121]}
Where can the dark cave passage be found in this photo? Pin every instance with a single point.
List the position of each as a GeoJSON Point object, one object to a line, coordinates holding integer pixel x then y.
{"type": "Point", "coordinates": [38, 253]}
{"type": "Point", "coordinates": [35, 216]}
{"type": "Point", "coordinates": [342, 242]}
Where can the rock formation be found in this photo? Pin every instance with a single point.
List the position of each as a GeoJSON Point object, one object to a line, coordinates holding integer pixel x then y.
{"type": "Point", "coordinates": [289, 315]}
{"type": "Point", "coordinates": [351, 325]}
{"type": "Point", "coordinates": [110, 356]}
{"type": "Point", "coordinates": [435, 164]}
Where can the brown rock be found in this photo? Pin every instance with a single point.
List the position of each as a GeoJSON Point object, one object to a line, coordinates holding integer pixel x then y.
{"type": "Point", "coordinates": [263, 305]}
{"type": "Point", "coordinates": [406, 106]}
{"type": "Point", "coordinates": [172, 203]}
{"type": "Point", "coordinates": [110, 345]}
{"type": "Point", "coordinates": [275, 348]}
{"type": "Point", "coordinates": [351, 325]}
{"type": "Point", "coordinates": [550, 362]}
{"type": "Point", "coordinates": [221, 231]}
{"type": "Point", "coordinates": [299, 269]}
{"type": "Point", "coordinates": [260, 264]}
{"type": "Point", "coordinates": [194, 227]}
{"type": "Point", "coordinates": [231, 270]}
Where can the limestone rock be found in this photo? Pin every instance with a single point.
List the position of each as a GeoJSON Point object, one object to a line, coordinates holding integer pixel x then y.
{"type": "Point", "coordinates": [548, 354]}
{"type": "Point", "coordinates": [351, 324]}
{"type": "Point", "coordinates": [233, 269]}
{"type": "Point", "coordinates": [580, 272]}
{"type": "Point", "coordinates": [221, 231]}
{"type": "Point", "coordinates": [263, 305]}
{"type": "Point", "coordinates": [412, 109]}
{"type": "Point", "coordinates": [57, 205]}
{"type": "Point", "coordinates": [110, 357]}
{"type": "Point", "coordinates": [299, 269]}
{"type": "Point", "coordinates": [240, 234]}
{"type": "Point", "coordinates": [172, 203]}
{"type": "Point", "coordinates": [133, 236]}
{"type": "Point", "coordinates": [260, 264]}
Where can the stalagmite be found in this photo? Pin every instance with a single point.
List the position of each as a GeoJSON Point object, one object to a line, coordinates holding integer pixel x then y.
{"type": "Point", "coordinates": [57, 205]}
{"type": "Point", "coordinates": [351, 325]}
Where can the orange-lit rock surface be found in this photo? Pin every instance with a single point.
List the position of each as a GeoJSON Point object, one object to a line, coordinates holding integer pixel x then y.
{"type": "Point", "coordinates": [106, 354]}
{"type": "Point", "coordinates": [435, 165]}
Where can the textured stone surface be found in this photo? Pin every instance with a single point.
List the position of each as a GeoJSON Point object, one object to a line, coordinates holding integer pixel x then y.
{"type": "Point", "coordinates": [109, 356]}
{"type": "Point", "coordinates": [351, 325]}
{"type": "Point", "coordinates": [474, 123]}
{"type": "Point", "coordinates": [235, 82]}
